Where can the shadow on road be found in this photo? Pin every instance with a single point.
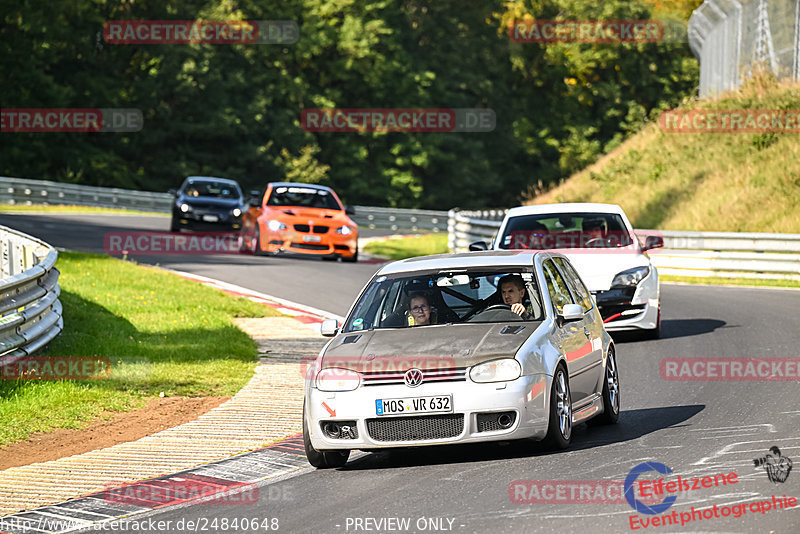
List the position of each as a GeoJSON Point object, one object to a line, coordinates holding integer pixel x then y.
{"type": "Point", "coordinates": [675, 328]}
{"type": "Point", "coordinates": [632, 424]}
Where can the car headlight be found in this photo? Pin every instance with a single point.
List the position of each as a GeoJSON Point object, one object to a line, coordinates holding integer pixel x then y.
{"type": "Point", "coordinates": [276, 225]}
{"type": "Point", "coordinates": [236, 212]}
{"type": "Point", "coordinates": [631, 277]}
{"type": "Point", "coordinates": [496, 371]}
{"type": "Point", "coordinates": [186, 208]}
{"type": "Point", "coordinates": [344, 230]}
{"type": "Point", "coordinates": [335, 379]}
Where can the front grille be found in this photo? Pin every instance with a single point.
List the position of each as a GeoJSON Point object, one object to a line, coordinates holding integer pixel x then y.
{"type": "Point", "coordinates": [309, 246]}
{"type": "Point", "coordinates": [341, 247]}
{"type": "Point", "coordinates": [301, 227]}
{"type": "Point", "coordinates": [320, 229]}
{"type": "Point", "coordinates": [487, 422]}
{"type": "Point", "coordinates": [380, 378]}
{"type": "Point", "coordinates": [416, 428]}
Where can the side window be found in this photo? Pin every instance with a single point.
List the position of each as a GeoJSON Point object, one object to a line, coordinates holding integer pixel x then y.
{"type": "Point", "coordinates": [557, 286]}
{"type": "Point", "coordinates": [580, 291]}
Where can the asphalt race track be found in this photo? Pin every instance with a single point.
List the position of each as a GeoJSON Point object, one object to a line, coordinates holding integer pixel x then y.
{"type": "Point", "coordinates": [698, 429]}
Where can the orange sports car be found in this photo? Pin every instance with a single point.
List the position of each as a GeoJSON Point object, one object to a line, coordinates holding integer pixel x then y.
{"type": "Point", "coordinates": [300, 219]}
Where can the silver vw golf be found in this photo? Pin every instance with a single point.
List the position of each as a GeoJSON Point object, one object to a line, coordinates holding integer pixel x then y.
{"type": "Point", "coordinates": [461, 348]}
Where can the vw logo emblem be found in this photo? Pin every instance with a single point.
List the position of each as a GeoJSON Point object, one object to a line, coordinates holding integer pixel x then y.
{"type": "Point", "coordinates": [413, 378]}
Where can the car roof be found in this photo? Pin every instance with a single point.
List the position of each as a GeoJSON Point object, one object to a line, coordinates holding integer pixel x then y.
{"type": "Point", "coordinates": [211, 178]}
{"type": "Point", "coordinates": [300, 184]}
{"type": "Point", "coordinates": [464, 260]}
{"type": "Point", "coordinates": [566, 207]}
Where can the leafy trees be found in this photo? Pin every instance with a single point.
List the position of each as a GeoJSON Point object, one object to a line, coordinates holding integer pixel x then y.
{"type": "Point", "coordinates": [234, 110]}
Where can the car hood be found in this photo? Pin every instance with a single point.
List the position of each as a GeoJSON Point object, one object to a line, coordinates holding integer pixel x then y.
{"type": "Point", "coordinates": [598, 269]}
{"type": "Point", "coordinates": [429, 347]}
{"type": "Point", "coordinates": [290, 212]}
{"type": "Point", "coordinates": [210, 202]}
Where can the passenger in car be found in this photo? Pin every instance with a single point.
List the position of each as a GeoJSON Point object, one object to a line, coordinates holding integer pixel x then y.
{"type": "Point", "coordinates": [420, 311]}
{"type": "Point", "coordinates": [512, 291]}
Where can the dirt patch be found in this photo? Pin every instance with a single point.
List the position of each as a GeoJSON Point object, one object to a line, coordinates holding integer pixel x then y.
{"type": "Point", "coordinates": [159, 414]}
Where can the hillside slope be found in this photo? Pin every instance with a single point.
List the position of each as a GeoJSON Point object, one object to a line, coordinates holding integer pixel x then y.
{"type": "Point", "coordinates": [741, 182]}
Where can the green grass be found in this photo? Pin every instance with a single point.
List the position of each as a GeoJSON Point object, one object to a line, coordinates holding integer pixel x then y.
{"type": "Point", "coordinates": [740, 182]}
{"type": "Point", "coordinates": [720, 281]}
{"type": "Point", "coordinates": [161, 333]}
{"type": "Point", "coordinates": [58, 208]}
{"type": "Point", "coordinates": [408, 247]}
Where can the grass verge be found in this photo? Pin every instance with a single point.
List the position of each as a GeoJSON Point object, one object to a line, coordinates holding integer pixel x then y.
{"type": "Point", "coordinates": [161, 333]}
{"type": "Point", "coordinates": [727, 182]}
{"type": "Point", "coordinates": [53, 208]}
{"type": "Point", "coordinates": [720, 281]}
{"type": "Point", "coordinates": [408, 247]}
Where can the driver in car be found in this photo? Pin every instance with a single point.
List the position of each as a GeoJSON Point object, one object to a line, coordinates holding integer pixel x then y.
{"type": "Point", "coordinates": [512, 290]}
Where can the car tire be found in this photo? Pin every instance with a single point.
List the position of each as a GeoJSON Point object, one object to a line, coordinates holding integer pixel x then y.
{"type": "Point", "coordinates": [559, 426]}
{"type": "Point", "coordinates": [611, 404]}
{"type": "Point", "coordinates": [173, 225]}
{"type": "Point", "coordinates": [321, 459]}
{"type": "Point", "coordinates": [353, 258]}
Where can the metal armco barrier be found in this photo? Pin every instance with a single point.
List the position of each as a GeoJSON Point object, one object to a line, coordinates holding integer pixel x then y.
{"type": "Point", "coordinates": [400, 219]}
{"type": "Point", "coordinates": [30, 312]}
{"type": "Point", "coordinates": [28, 192]}
{"type": "Point", "coordinates": [23, 191]}
{"type": "Point", "coordinates": [701, 254]}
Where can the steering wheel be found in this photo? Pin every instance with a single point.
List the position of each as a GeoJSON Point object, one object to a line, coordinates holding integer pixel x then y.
{"type": "Point", "coordinates": [497, 307]}
{"type": "Point", "coordinates": [596, 240]}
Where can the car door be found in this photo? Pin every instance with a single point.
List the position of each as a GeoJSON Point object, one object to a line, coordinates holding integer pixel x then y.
{"type": "Point", "coordinates": [572, 341]}
{"type": "Point", "coordinates": [591, 324]}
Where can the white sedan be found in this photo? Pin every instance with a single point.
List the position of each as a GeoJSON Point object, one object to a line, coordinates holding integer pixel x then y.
{"type": "Point", "coordinates": [600, 242]}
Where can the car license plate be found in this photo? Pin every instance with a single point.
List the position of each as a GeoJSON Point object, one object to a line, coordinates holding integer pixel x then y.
{"type": "Point", "coordinates": [210, 218]}
{"type": "Point", "coordinates": [414, 405]}
{"type": "Point", "coordinates": [311, 239]}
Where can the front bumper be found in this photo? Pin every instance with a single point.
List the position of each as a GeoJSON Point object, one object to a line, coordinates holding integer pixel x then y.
{"type": "Point", "coordinates": [194, 221]}
{"type": "Point", "coordinates": [329, 244]}
{"type": "Point", "coordinates": [527, 397]}
{"type": "Point", "coordinates": [630, 308]}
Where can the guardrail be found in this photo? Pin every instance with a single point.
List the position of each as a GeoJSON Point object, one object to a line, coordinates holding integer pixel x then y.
{"type": "Point", "coordinates": [700, 254]}
{"type": "Point", "coordinates": [26, 192]}
{"type": "Point", "coordinates": [400, 219]}
{"type": "Point", "coordinates": [29, 192]}
{"type": "Point", "coordinates": [30, 312]}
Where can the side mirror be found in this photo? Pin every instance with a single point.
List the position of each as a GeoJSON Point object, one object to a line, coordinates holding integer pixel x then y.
{"type": "Point", "coordinates": [330, 327]}
{"type": "Point", "coordinates": [478, 245]}
{"type": "Point", "coordinates": [349, 210]}
{"type": "Point", "coordinates": [653, 241]}
{"type": "Point", "coordinates": [172, 192]}
{"type": "Point", "coordinates": [571, 312]}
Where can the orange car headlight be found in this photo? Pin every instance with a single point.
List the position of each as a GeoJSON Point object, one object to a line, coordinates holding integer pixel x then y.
{"type": "Point", "coordinates": [344, 230]}
{"type": "Point", "coordinates": [275, 225]}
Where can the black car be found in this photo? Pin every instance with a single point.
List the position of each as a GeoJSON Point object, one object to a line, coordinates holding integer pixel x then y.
{"type": "Point", "coordinates": [208, 203]}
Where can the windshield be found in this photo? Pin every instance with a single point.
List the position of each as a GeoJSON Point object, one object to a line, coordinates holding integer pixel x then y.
{"type": "Point", "coordinates": [441, 298]}
{"type": "Point", "coordinates": [566, 230]}
{"type": "Point", "coordinates": [306, 197]}
{"type": "Point", "coordinates": [211, 189]}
